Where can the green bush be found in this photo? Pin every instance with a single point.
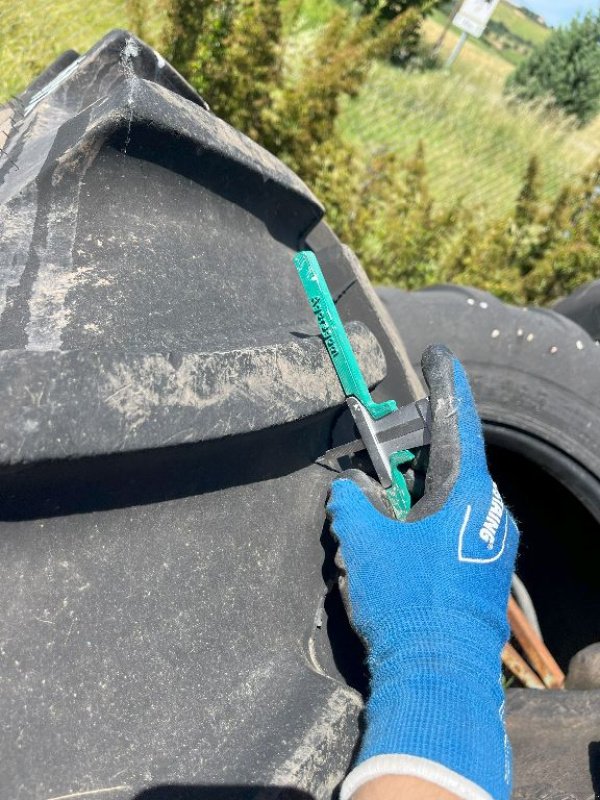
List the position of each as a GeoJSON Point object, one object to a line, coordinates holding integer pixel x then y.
{"type": "Point", "coordinates": [186, 21]}
{"type": "Point", "coordinates": [571, 255]}
{"type": "Point", "coordinates": [565, 69]}
{"type": "Point", "coordinates": [233, 53]}
{"type": "Point", "coordinates": [408, 44]}
{"type": "Point", "coordinates": [536, 254]}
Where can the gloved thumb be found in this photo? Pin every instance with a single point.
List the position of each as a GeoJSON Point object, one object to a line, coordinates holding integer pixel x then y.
{"type": "Point", "coordinates": [456, 435]}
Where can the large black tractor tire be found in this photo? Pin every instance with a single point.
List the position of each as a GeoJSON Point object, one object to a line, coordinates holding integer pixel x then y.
{"type": "Point", "coordinates": [164, 397]}
{"type": "Point", "coordinates": [533, 371]}
{"type": "Point", "coordinates": [583, 307]}
{"type": "Point", "coordinates": [536, 380]}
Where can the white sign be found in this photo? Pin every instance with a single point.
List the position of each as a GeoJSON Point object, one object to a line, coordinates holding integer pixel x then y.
{"type": "Point", "coordinates": [474, 15]}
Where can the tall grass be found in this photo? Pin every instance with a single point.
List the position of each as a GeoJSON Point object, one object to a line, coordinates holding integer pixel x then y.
{"type": "Point", "coordinates": [34, 32]}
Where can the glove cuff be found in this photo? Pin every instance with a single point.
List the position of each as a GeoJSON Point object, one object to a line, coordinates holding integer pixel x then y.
{"type": "Point", "coordinates": [415, 767]}
{"type": "Point", "coordinates": [456, 722]}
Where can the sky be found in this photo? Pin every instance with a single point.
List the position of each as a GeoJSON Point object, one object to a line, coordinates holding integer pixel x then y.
{"type": "Point", "coordinates": [556, 12]}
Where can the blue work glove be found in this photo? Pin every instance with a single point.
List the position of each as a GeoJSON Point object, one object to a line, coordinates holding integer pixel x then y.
{"type": "Point", "coordinates": [429, 598]}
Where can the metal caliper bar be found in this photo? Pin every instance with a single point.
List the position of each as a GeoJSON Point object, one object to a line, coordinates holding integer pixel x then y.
{"type": "Point", "coordinates": [415, 433]}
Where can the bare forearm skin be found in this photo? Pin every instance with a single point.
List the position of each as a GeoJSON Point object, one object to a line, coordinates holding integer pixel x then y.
{"type": "Point", "coordinates": [401, 787]}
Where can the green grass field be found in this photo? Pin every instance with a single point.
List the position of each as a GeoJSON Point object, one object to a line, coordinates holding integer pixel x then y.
{"type": "Point", "coordinates": [512, 35]}
{"type": "Point", "coordinates": [520, 24]}
{"type": "Point", "coordinates": [477, 146]}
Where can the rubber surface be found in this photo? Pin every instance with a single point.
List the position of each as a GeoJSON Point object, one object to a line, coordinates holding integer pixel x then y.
{"type": "Point", "coordinates": [555, 735]}
{"type": "Point", "coordinates": [531, 369]}
{"type": "Point", "coordinates": [583, 307]}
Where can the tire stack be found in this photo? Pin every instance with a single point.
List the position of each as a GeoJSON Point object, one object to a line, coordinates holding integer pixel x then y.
{"type": "Point", "coordinates": [583, 307]}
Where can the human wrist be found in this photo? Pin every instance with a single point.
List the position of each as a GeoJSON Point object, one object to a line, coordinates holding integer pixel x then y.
{"type": "Point", "coordinates": [401, 787]}
{"type": "Point", "coordinates": [441, 782]}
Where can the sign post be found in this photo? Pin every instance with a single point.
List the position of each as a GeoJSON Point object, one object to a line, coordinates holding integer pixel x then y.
{"type": "Point", "coordinates": [474, 15]}
{"type": "Point", "coordinates": [457, 48]}
{"type": "Point", "coordinates": [472, 18]}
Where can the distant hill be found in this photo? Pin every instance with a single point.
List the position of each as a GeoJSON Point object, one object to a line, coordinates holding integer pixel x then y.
{"type": "Point", "coordinates": [513, 31]}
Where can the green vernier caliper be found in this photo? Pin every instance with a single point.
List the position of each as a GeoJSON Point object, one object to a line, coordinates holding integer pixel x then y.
{"type": "Point", "coordinates": [386, 431]}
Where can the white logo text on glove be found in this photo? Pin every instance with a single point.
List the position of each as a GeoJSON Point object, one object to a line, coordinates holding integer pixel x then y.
{"type": "Point", "coordinates": [489, 529]}
{"type": "Point", "coordinates": [478, 542]}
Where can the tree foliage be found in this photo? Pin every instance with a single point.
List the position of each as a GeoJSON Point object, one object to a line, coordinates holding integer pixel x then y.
{"type": "Point", "coordinates": [235, 53]}
{"type": "Point", "coordinates": [565, 70]}
{"type": "Point", "coordinates": [389, 9]}
{"type": "Point", "coordinates": [237, 62]}
{"type": "Point", "coordinates": [186, 21]}
{"type": "Point", "coordinates": [570, 252]}
{"type": "Point", "coordinates": [406, 44]}
{"type": "Point", "coordinates": [536, 254]}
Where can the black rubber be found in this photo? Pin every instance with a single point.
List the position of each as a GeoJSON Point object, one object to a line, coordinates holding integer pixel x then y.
{"type": "Point", "coordinates": [583, 307]}
{"type": "Point", "coordinates": [164, 396]}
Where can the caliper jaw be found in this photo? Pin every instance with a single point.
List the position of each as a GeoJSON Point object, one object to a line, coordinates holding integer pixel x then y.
{"type": "Point", "coordinates": [401, 430]}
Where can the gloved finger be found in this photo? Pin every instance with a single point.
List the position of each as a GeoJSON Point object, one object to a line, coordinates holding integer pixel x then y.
{"type": "Point", "coordinates": [456, 437]}
{"type": "Point", "coordinates": [352, 513]}
{"type": "Point", "coordinates": [342, 580]}
{"type": "Point", "coordinates": [472, 457]}
{"type": "Point", "coordinates": [373, 490]}
{"type": "Point", "coordinates": [352, 495]}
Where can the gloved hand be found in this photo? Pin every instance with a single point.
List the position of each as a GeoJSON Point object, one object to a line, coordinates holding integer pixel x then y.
{"type": "Point", "coordinates": [429, 596]}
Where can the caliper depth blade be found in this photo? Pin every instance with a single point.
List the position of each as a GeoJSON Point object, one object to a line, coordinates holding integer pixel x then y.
{"type": "Point", "coordinates": [343, 450]}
